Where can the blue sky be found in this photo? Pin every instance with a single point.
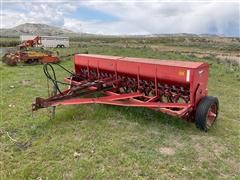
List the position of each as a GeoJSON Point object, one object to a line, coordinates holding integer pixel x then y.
{"type": "Point", "coordinates": [127, 17]}
{"type": "Point", "coordinates": [86, 13]}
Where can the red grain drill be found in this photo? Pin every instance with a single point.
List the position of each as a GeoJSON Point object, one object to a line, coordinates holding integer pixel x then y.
{"type": "Point", "coordinates": [177, 88]}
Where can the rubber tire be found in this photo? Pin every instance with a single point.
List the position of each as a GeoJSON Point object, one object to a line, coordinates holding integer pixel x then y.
{"type": "Point", "coordinates": [202, 111]}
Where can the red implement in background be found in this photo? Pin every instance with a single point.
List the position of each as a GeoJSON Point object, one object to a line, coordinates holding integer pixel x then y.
{"type": "Point", "coordinates": [178, 88]}
{"type": "Point", "coordinates": [29, 56]}
{"type": "Point", "coordinates": [31, 43]}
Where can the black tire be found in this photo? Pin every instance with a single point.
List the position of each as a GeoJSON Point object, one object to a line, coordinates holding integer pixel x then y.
{"type": "Point", "coordinates": [202, 120]}
{"type": "Point", "coordinates": [58, 46]}
{"type": "Point", "coordinates": [29, 61]}
{"type": "Point", "coordinates": [62, 46]}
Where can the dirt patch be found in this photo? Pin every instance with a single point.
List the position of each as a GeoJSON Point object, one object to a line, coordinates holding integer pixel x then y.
{"type": "Point", "coordinates": [25, 82]}
{"type": "Point", "coordinates": [203, 154]}
{"type": "Point", "coordinates": [167, 151]}
{"type": "Point", "coordinates": [218, 149]}
{"type": "Point", "coordinates": [208, 147]}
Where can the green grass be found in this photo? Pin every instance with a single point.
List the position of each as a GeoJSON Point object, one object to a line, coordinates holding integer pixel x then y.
{"type": "Point", "coordinates": [7, 42]}
{"type": "Point", "coordinates": [112, 142]}
{"type": "Point", "coordinates": [216, 44]}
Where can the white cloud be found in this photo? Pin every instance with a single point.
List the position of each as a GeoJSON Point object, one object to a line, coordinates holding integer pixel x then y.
{"type": "Point", "coordinates": [170, 17]}
{"type": "Point", "coordinates": [132, 17]}
{"type": "Point", "coordinates": [13, 14]}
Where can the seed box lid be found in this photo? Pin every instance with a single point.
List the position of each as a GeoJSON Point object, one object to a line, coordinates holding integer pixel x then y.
{"type": "Point", "coordinates": [184, 64]}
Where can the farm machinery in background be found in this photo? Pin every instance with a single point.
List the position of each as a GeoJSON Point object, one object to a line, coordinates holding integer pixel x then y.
{"type": "Point", "coordinates": [29, 52]}
{"type": "Point", "coordinates": [30, 43]}
{"type": "Point", "coordinates": [176, 88]}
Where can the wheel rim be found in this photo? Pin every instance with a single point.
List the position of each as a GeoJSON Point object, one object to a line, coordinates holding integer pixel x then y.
{"type": "Point", "coordinates": [211, 115]}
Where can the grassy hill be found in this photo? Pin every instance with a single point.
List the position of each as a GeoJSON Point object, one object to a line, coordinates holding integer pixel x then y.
{"type": "Point", "coordinates": [36, 29]}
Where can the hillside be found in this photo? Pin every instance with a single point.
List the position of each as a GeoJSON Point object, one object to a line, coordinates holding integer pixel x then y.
{"type": "Point", "coordinates": [36, 29]}
{"type": "Point", "coordinates": [47, 30]}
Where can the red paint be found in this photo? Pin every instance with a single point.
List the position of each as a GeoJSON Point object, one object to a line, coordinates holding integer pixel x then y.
{"type": "Point", "coordinates": [172, 87]}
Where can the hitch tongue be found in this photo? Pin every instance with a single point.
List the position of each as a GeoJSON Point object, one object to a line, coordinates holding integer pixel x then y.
{"type": "Point", "coordinates": [39, 103]}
